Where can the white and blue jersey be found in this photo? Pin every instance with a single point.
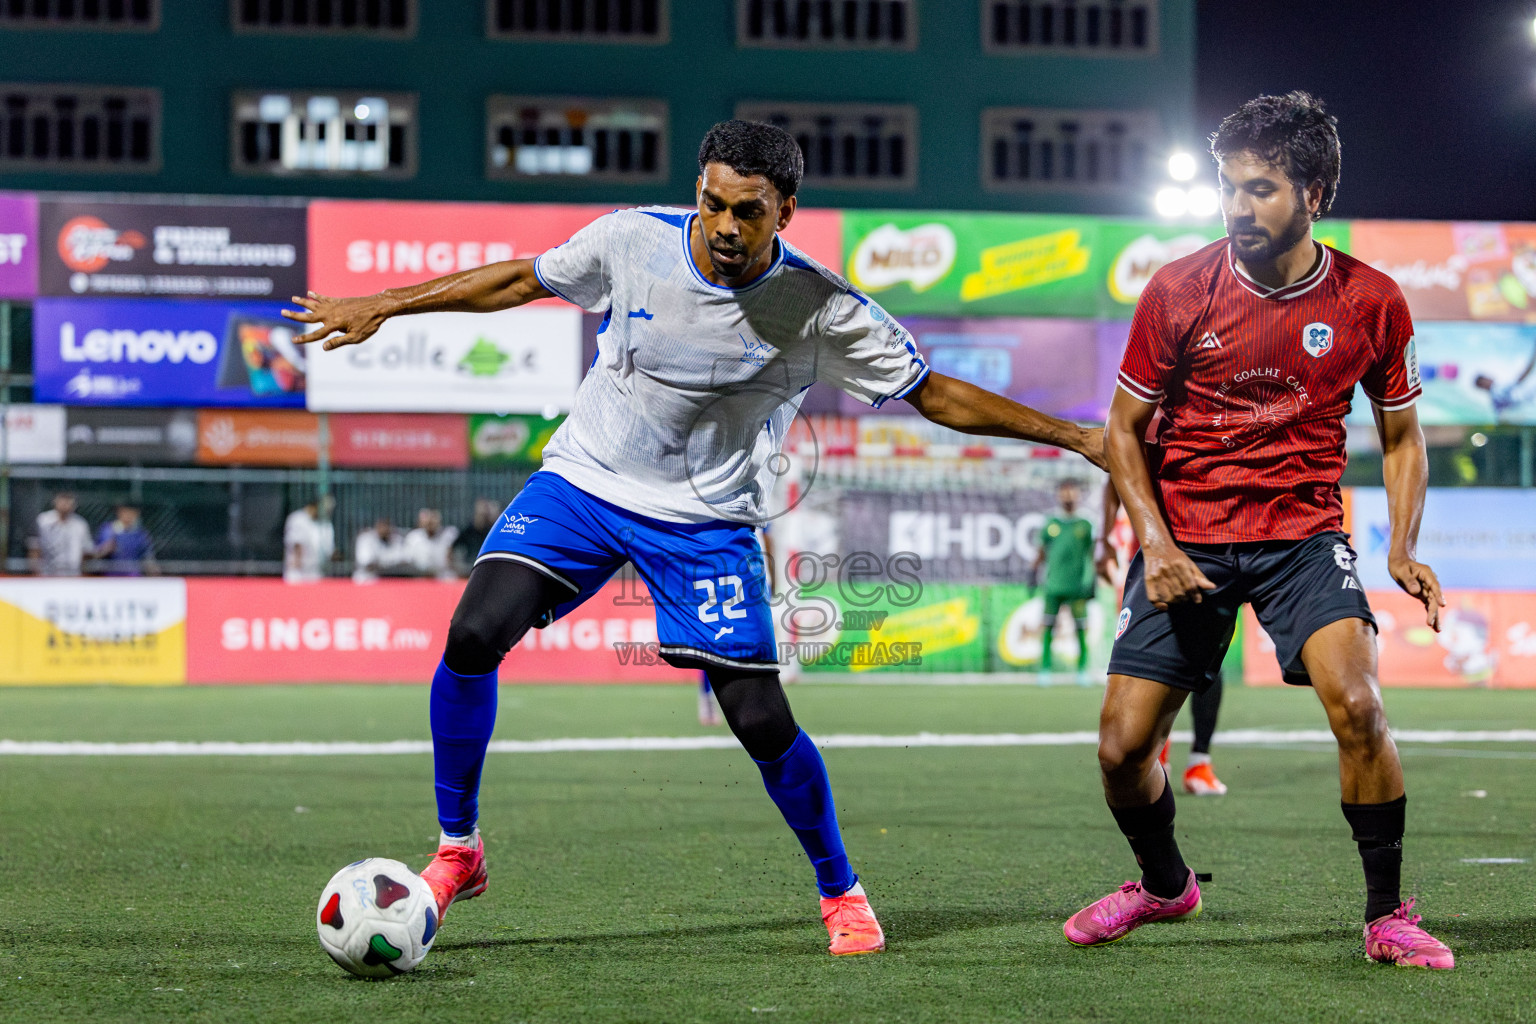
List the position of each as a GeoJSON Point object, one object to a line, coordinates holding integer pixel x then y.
{"type": "Point", "coordinates": [663, 461]}
{"type": "Point", "coordinates": [695, 383]}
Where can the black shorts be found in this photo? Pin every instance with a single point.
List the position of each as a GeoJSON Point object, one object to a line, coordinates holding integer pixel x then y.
{"type": "Point", "coordinates": [1296, 587]}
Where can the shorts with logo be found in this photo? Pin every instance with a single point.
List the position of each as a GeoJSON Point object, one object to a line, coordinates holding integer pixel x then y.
{"type": "Point", "coordinates": [707, 580]}
{"type": "Point", "coordinates": [1296, 587]}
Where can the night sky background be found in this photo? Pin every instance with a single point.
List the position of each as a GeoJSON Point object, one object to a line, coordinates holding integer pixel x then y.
{"type": "Point", "coordinates": [1436, 101]}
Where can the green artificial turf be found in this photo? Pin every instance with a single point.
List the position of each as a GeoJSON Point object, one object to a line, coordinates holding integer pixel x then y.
{"type": "Point", "coordinates": [663, 886]}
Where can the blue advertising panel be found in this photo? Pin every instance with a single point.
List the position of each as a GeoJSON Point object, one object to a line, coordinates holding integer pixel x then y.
{"type": "Point", "coordinates": [1475, 538]}
{"type": "Point", "coordinates": [159, 352]}
{"type": "Point", "coordinates": [1474, 374]}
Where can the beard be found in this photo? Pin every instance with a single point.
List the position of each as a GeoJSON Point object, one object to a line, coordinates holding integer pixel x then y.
{"type": "Point", "coordinates": [1258, 245]}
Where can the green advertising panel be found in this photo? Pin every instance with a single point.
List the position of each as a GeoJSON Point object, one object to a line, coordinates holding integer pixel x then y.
{"type": "Point", "coordinates": [1131, 251]}
{"type": "Point", "coordinates": [1008, 264]}
{"type": "Point", "coordinates": [1015, 630]}
{"type": "Point", "coordinates": [510, 440]}
{"type": "Point", "coordinates": [972, 264]}
{"type": "Point", "coordinates": [940, 632]}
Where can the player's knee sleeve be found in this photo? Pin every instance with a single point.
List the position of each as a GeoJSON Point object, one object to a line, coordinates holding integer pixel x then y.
{"type": "Point", "coordinates": [757, 711]}
{"type": "Point", "coordinates": [500, 602]}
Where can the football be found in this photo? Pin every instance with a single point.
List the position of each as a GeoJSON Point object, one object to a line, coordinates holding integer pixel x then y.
{"type": "Point", "coordinates": [376, 918]}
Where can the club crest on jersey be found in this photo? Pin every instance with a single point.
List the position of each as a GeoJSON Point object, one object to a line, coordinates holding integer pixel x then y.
{"type": "Point", "coordinates": [1317, 339]}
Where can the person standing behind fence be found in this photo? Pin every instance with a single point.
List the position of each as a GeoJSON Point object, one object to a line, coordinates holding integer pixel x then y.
{"type": "Point", "coordinates": [308, 542]}
{"type": "Point", "coordinates": [427, 547]}
{"type": "Point", "coordinates": [125, 546]}
{"type": "Point", "coordinates": [61, 539]}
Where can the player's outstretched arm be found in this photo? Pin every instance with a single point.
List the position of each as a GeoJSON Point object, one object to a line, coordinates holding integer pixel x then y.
{"type": "Point", "coordinates": [1170, 575]}
{"type": "Point", "coordinates": [1106, 562]}
{"type": "Point", "coordinates": [482, 290]}
{"type": "Point", "coordinates": [1405, 469]}
{"type": "Point", "coordinates": [972, 410]}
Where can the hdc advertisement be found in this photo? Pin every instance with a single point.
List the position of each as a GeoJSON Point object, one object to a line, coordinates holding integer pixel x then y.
{"type": "Point", "coordinates": [151, 352]}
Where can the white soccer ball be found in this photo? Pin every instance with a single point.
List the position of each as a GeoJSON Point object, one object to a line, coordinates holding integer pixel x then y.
{"type": "Point", "coordinates": [377, 918]}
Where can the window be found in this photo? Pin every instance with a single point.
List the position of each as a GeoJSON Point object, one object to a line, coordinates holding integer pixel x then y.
{"type": "Point", "coordinates": [323, 133]}
{"type": "Point", "coordinates": [1032, 148]}
{"type": "Point", "coordinates": [1088, 27]}
{"type": "Point", "coordinates": [827, 24]}
{"type": "Point", "coordinates": [565, 138]}
{"type": "Point", "coordinates": [390, 18]}
{"type": "Point", "coordinates": [592, 21]}
{"type": "Point", "coordinates": [84, 128]}
{"type": "Point", "coordinates": [848, 145]}
{"type": "Point", "coordinates": [129, 15]}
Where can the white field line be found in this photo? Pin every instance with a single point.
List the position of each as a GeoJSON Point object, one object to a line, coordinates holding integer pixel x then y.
{"type": "Point", "coordinates": [842, 741]}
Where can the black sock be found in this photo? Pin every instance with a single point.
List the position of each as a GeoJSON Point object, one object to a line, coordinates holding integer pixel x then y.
{"type": "Point", "coordinates": [1203, 709]}
{"type": "Point", "coordinates": [1378, 831]}
{"type": "Point", "coordinates": [1150, 831]}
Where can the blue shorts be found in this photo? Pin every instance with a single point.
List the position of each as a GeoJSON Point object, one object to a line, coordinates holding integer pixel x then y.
{"type": "Point", "coordinates": [707, 580]}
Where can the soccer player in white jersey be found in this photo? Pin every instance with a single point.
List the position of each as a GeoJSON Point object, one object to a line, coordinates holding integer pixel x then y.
{"type": "Point", "coordinates": [713, 328]}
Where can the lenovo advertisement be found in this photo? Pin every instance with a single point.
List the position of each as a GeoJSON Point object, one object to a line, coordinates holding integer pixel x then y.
{"type": "Point", "coordinates": [141, 249]}
{"type": "Point", "coordinates": [152, 352]}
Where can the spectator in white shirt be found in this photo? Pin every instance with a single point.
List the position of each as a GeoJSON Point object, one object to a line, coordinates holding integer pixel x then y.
{"type": "Point", "coordinates": [61, 539]}
{"type": "Point", "coordinates": [308, 542]}
{"type": "Point", "coordinates": [429, 546]}
{"type": "Point", "coordinates": [379, 551]}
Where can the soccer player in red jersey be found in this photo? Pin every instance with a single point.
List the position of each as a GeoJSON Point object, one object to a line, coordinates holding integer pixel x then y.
{"type": "Point", "coordinates": [1252, 348]}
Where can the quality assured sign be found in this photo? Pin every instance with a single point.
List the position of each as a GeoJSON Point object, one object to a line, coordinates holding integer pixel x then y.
{"type": "Point", "coordinates": [228, 252]}
{"type": "Point", "coordinates": [163, 353]}
{"type": "Point", "coordinates": [517, 360]}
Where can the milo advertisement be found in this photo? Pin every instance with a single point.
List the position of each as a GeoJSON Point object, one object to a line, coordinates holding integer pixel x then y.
{"type": "Point", "coordinates": [511, 440]}
{"type": "Point", "coordinates": [972, 264]}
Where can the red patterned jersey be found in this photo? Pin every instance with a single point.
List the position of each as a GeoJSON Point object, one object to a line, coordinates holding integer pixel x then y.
{"type": "Point", "coordinates": [1254, 383]}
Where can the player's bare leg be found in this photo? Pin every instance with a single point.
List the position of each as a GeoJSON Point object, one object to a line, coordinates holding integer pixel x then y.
{"type": "Point", "coordinates": [1341, 659]}
{"type": "Point", "coordinates": [1133, 726]}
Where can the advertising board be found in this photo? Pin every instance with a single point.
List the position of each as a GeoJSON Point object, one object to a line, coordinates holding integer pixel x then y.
{"type": "Point", "coordinates": [18, 247]}
{"type": "Point", "coordinates": [511, 440]}
{"type": "Point", "coordinates": [399, 441]}
{"type": "Point", "coordinates": [92, 631]}
{"type": "Point", "coordinates": [257, 437]}
{"type": "Point", "coordinates": [164, 353]}
{"type": "Point", "coordinates": [33, 434]}
{"type": "Point", "coordinates": [517, 360]}
{"type": "Point", "coordinates": [1486, 639]}
{"type": "Point", "coordinates": [263, 630]}
{"type": "Point", "coordinates": [97, 436]}
{"type": "Point", "coordinates": [210, 251]}
{"type": "Point", "coordinates": [1475, 538]}
{"type": "Point", "coordinates": [972, 264]}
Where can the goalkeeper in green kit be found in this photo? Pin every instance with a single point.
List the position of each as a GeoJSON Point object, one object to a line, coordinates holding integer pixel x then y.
{"type": "Point", "coordinates": [1066, 556]}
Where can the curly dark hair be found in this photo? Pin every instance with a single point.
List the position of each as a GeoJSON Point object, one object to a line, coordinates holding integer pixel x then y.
{"type": "Point", "coordinates": [1293, 132]}
{"type": "Point", "coordinates": [751, 147]}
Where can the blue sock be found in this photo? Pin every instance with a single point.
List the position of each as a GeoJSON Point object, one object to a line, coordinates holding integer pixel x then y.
{"type": "Point", "coordinates": [798, 784]}
{"type": "Point", "coordinates": [463, 716]}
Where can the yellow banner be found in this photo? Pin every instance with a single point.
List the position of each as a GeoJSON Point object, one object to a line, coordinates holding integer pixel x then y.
{"type": "Point", "coordinates": [930, 629]}
{"type": "Point", "coordinates": [1026, 263]}
{"type": "Point", "coordinates": [93, 631]}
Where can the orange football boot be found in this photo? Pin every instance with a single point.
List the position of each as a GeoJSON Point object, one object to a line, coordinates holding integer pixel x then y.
{"type": "Point", "coordinates": [457, 872]}
{"type": "Point", "coordinates": [851, 923]}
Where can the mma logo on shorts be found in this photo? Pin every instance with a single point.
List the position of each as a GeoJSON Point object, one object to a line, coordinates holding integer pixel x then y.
{"type": "Point", "coordinates": [1122, 622]}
